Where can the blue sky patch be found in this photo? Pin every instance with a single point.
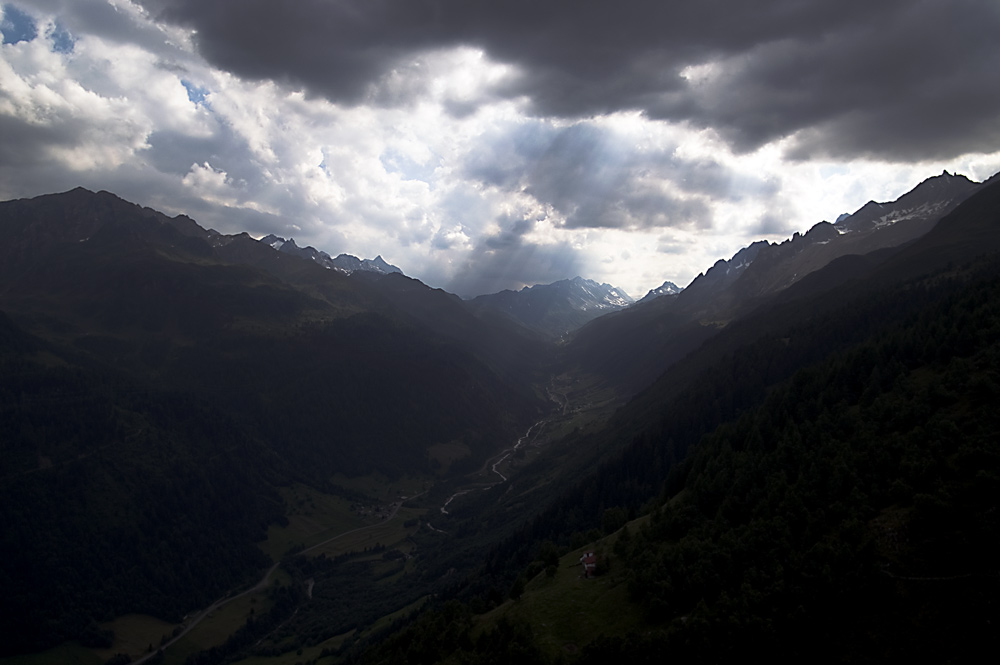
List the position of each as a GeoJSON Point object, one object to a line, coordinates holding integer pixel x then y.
{"type": "Point", "coordinates": [195, 94]}
{"type": "Point", "coordinates": [17, 26]}
{"type": "Point", "coordinates": [62, 40]}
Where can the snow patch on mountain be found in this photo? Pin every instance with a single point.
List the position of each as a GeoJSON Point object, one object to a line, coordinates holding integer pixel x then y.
{"type": "Point", "coordinates": [920, 212]}
{"type": "Point", "coordinates": [586, 294]}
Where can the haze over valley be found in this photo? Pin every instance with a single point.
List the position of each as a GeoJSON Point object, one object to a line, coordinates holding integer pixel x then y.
{"type": "Point", "coordinates": [201, 425]}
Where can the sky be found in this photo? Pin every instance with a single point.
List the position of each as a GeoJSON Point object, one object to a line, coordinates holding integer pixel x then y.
{"type": "Point", "coordinates": [483, 145]}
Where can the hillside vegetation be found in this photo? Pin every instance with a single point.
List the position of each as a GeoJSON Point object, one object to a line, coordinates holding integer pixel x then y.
{"type": "Point", "coordinates": [814, 476]}
{"type": "Point", "coordinates": [825, 491]}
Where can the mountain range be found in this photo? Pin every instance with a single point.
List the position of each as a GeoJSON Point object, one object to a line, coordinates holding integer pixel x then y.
{"type": "Point", "coordinates": [660, 331]}
{"type": "Point", "coordinates": [344, 262]}
{"type": "Point", "coordinates": [794, 455]}
{"type": "Point", "coordinates": [152, 352]}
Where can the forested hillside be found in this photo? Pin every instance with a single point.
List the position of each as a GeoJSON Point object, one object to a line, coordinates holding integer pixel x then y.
{"type": "Point", "coordinates": [161, 384]}
{"type": "Point", "coordinates": [119, 497]}
{"type": "Point", "coordinates": [818, 483]}
{"type": "Point", "coordinates": [815, 479]}
{"type": "Point", "coordinates": [852, 512]}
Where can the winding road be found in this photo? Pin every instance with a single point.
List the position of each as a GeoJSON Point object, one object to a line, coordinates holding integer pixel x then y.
{"type": "Point", "coordinates": [493, 467]}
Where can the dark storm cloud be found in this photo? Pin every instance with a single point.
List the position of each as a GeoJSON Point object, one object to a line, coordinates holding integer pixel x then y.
{"type": "Point", "coordinates": [596, 178]}
{"type": "Point", "coordinates": [920, 84]}
{"type": "Point", "coordinates": [897, 79]}
{"type": "Point", "coordinates": [24, 163]}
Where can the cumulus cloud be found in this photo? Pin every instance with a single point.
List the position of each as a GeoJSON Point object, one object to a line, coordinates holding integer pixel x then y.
{"type": "Point", "coordinates": [52, 116]}
{"type": "Point", "coordinates": [113, 21]}
{"type": "Point", "coordinates": [592, 176]}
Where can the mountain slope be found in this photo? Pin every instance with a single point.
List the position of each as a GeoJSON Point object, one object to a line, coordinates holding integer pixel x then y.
{"type": "Point", "coordinates": [660, 332]}
{"type": "Point", "coordinates": [156, 369]}
{"type": "Point", "coordinates": [851, 511]}
{"type": "Point", "coordinates": [232, 320]}
{"type": "Point", "coordinates": [118, 497]}
{"type": "Point", "coordinates": [819, 482]}
{"type": "Point", "coordinates": [874, 226]}
{"type": "Point", "coordinates": [161, 381]}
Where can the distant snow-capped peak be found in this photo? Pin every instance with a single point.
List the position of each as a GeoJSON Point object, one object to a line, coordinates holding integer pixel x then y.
{"type": "Point", "coordinates": [591, 295]}
{"type": "Point", "coordinates": [665, 289]}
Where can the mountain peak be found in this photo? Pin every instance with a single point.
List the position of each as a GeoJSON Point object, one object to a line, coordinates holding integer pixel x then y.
{"type": "Point", "coordinates": [931, 199]}
{"type": "Point", "coordinates": [379, 264]}
{"type": "Point", "coordinates": [665, 289]}
{"type": "Point", "coordinates": [559, 307]}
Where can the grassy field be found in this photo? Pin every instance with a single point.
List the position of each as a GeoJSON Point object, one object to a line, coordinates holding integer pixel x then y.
{"type": "Point", "coordinates": [388, 533]}
{"type": "Point", "coordinates": [312, 518]}
{"type": "Point", "coordinates": [567, 611]}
